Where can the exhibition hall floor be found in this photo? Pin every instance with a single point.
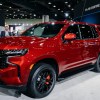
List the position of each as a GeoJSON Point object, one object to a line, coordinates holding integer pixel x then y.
{"type": "Point", "coordinates": [84, 85]}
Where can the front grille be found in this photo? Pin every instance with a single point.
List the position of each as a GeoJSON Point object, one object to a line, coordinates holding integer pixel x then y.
{"type": "Point", "coordinates": [3, 62]}
{"type": "Point", "coordinates": [3, 59]}
{"type": "Point", "coordinates": [2, 52]}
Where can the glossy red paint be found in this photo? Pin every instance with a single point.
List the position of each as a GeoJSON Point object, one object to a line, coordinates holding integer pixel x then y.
{"type": "Point", "coordinates": [67, 55]}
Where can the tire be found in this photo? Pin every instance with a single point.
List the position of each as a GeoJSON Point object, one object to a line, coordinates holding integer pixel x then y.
{"type": "Point", "coordinates": [42, 80]}
{"type": "Point", "coordinates": [97, 65]}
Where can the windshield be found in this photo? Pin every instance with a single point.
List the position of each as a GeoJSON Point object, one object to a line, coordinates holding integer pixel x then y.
{"type": "Point", "coordinates": [44, 30]}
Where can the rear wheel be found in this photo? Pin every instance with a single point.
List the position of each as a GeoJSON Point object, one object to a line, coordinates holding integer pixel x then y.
{"type": "Point", "coordinates": [42, 80]}
{"type": "Point", "coordinates": [97, 65]}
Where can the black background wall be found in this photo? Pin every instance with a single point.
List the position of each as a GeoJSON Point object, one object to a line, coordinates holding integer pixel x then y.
{"type": "Point", "coordinates": [88, 11]}
{"type": "Point", "coordinates": [2, 18]}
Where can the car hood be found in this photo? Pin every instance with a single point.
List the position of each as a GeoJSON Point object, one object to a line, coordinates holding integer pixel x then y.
{"type": "Point", "coordinates": [19, 42]}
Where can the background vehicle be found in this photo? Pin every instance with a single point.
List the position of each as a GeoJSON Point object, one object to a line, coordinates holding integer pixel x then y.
{"type": "Point", "coordinates": [37, 58]}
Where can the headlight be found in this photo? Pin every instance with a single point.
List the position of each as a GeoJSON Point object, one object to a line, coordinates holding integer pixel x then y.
{"type": "Point", "coordinates": [15, 52]}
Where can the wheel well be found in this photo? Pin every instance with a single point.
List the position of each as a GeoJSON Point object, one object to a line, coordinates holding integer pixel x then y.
{"type": "Point", "coordinates": [52, 62]}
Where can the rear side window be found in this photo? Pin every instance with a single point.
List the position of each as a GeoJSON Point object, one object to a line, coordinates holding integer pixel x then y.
{"type": "Point", "coordinates": [86, 31]}
{"type": "Point", "coordinates": [73, 29]}
{"type": "Point", "coordinates": [98, 28]}
{"type": "Point", "coordinates": [95, 33]}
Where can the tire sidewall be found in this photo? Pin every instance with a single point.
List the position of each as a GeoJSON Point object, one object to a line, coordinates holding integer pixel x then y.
{"type": "Point", "coordinates": [97, 64]}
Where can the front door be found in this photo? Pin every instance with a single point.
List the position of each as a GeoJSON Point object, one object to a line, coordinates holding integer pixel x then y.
{"type": "Point", "coordinates": [72, 50]}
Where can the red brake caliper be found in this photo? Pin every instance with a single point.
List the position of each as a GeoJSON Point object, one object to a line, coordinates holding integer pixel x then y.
{"type": "Point", "coordinates": [47, 79]}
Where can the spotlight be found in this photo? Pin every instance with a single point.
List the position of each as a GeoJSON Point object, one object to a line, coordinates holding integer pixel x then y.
{"type": "Point", "coordinates": [55, 15]}
{"type": "Point", "coordinates": [0, 4]}
{"type": "Point", "coordinates": [69, 6]}
{"type": "Point", "coordinates": [72, 9]}
{"type": "Point", "coordinates": [66, 14]}
{"type": "Point", "coordinates": [66, 2]}
{"type": "Point", "coordinates": [54, 6]}
{"type": "Point", "coordinates": [49, 3]}
{"type": "Point", "coordinates": [34, 15]}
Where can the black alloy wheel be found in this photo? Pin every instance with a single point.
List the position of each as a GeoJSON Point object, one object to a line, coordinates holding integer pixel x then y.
{"type": "Point", "coordinates": [42, 81]}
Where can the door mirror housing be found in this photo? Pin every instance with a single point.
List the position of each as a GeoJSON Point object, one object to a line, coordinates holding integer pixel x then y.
{"type": "Point", "coordinates": [70, 36]}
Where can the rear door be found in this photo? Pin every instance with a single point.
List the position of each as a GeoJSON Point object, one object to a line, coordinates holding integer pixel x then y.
{"type": "Point", "coordinates": [90, 43]}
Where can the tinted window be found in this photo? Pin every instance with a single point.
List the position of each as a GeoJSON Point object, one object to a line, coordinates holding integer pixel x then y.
{"type": "Point", "coordinates": [95, 33]}
{"type": "Point", "coordinates": [43, 30]}
{"type": "Point", "coordinates": [86, 31]}
{"type": "Point", "coordinates": [99, 28]}
{"type": "Point", "coordinates": [73, 29]}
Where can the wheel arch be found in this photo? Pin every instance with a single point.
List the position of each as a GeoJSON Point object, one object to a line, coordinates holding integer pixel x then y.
{"type": "Point", "coordinates": [50, 61]}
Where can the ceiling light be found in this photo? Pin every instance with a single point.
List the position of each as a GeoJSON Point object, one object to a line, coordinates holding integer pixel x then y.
{"type": "Point", "coordinates": [54, 6]}
{"type": "Point", "coordinates": [55, 14]}
{"type": "Point", "coordinates": [69, 5]}
{"type": "Point", "coordinates": [18, 10]}
{"type": "Point", "coordinates": [49, 3]}
{"type": "Point", "coordinates": [62, 11]}
{"type": "Point", "coordinates": [66, 14]}
{"type": "Point", "coordinates": [0, 4]}
{"type": "Point", "coordinates": [72, 9]}
{"type": "Point", "coordinates": [66, 2]}
{"type": "Point", "coordinates": [10, 7]}
{"type": "Point", "coordinates": [6, 10]}
{"type": "Point", "coordinates": [34, 15]}
{"type": "Point", "coordinates": [58, 9]}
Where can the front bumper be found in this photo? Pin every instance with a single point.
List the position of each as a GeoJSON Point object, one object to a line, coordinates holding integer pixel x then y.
{"type": "Point", "coordinates": [20, 88]}
{"type": "Point", "coordinates": [14, 71]}
{"type": "Point", "coordinates": [9, 76]}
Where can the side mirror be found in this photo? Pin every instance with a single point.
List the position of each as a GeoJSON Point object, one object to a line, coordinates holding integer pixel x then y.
{"type": "Point", "coordinates": [70, 36]}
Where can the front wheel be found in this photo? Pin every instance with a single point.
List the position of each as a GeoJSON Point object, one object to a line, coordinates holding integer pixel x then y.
{"type": "Point", "coordinates": [42, 81]}
{"type": "Point", "coordinates": [97, 65]}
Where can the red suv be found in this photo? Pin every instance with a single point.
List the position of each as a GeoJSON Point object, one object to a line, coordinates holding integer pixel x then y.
{"type": "Point", "coordinates": [35, 60]}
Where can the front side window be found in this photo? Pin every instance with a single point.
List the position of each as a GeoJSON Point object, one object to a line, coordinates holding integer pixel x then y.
{"type": "Point", "coordinates": [73, 29]}
{"type": "Point", "coordinates": [44, 30]}
{"type": "Point", "coordinates": [86, 31]}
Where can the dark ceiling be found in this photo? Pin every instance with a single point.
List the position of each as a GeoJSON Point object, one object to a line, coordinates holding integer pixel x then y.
{"type": "Point", "coordinates": [20, 9]}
